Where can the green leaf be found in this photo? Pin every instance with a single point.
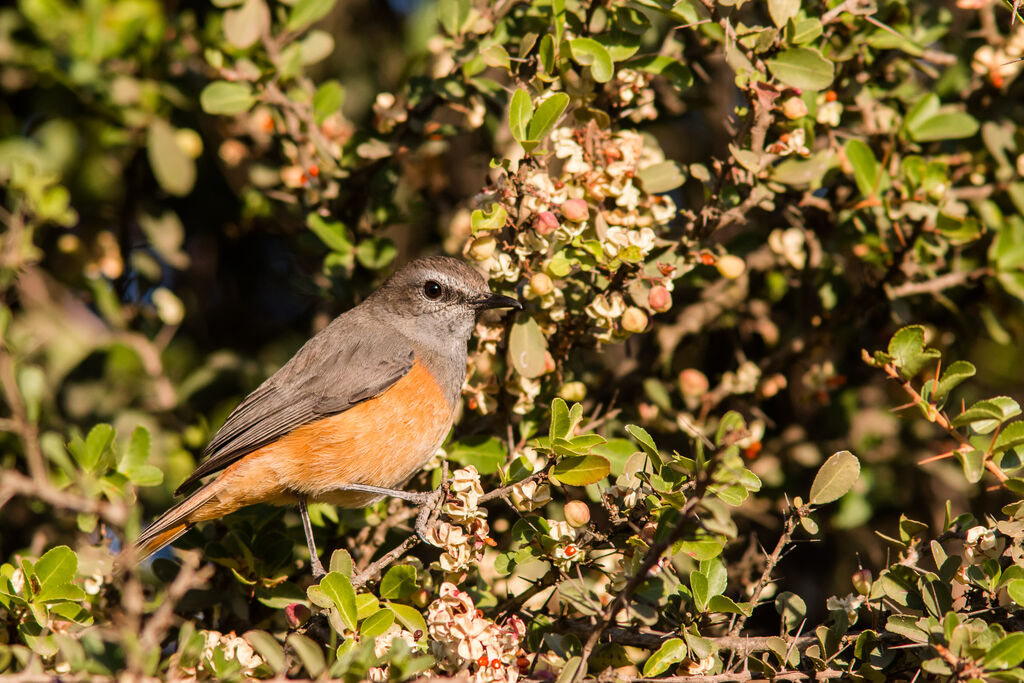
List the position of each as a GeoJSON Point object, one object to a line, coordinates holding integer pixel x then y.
{"type": "Point", "coordinates": [376, 253]}
{"type": "Point", "coordinates": [339, 590]}
{"type": "Point", "coordinates": [224, 98]}
{"type": "Point", "coordinates": [792, 608]}
{"type": "Point", "coordinates": [721, 603]}
{"type": "Point", "coordinates": [646, 443]}
{"type": "Point", "coordinates": [924, 109]}
{"type": "Point", "coordinates": [377, 623]}
{"type": "Point", "coordinates": [1015, 589]}
{"type": "Point", "coordinates": [973, 462]}
{"type": "Point", "coordinates": [661, 177]}
{"type": "Point", "coordinates": [327, 100]}
{"type": "Point", "coordinates": [699, 588]}
{"type": "Point", "coordinates": [559, 419]}
{"type": "Point", "coordinates": [57, 567]}
{"type": "Point", "coordinates": [782, 11]}
{"type": "Point", "coordinates": [332, 233]}
{"type": "Point", "coordinates": [908, 351]}
{"type": "Point", "coordinates": [410, 618]}
{"type": "Point", "coordinates": [490, 220]}
{"type": "Point", "coordinates": [672, 651]}
{"type": "Point", "coordinates": [243, 26]}
{"type": "Point", "coordinates": [398, 583]}
{"type": "Point", "coordinates": [305, 12]}
{"type": "Point", "coordinates": [1011, 436]}
{"type": "Point", "coordinates": [835, 478]}
{"type": "Point", "coordinates": [520, 111]}
{"type": "Point", "coordinates": [986, 415]}
{"type": "Point", "coordinates": [581, 470]}
{"type": "Point", "coordinates": [545, 118]}
{"type": "Point", "coordinates": [957, 372]}
{"type": "Point", "coordinates": [675, 71]}
{"type": "Point", "coordinates": [173, 169]}
{"type": "Point", "coordinates": [268, 648]}
{"type": "Point", "coordinates": [96, 444]}
{"type": "Point", "coordinates": [866, 169]}
{"type": "Point", "coordinates": [802, 67]}
{"type": "Point", "coordinates": [589, 52]}
{"type": "Point", "coordinates": [453, 15]}
{"type": "Point", "coordinates": [486, 453]}
{"type": "Point", "coordinates": [952, 125]}
{"type": "Point", "coordinates": [1006, 654]}
{"type": "Point", "coordinates": [527, 347]}
{"type": "Point", "coordinates": [310, 654]}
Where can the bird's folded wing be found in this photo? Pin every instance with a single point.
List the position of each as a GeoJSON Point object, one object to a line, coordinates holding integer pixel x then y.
{"type": "Point", "coordinates": [334, 371]}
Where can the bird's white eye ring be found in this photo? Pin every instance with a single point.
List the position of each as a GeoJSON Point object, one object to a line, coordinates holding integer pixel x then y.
{"type": "Point", "coordinates": [432, 290]}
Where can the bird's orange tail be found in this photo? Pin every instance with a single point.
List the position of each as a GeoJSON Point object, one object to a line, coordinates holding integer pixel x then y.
{"type": "Point", "coordinates": [167, 527]}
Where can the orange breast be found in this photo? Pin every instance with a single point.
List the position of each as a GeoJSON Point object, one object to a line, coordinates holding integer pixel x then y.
{"type": "Point", "coordinates": [381, 442]}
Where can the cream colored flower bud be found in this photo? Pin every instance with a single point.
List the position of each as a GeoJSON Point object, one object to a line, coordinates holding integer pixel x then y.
{"type": "Point", "coordinates": [731, 267]}
{"type": "Point", "coordinates": [573, 391]}
{"type": "Point", "coordinates": [577, 513]}
{"type": "Point", "coordinates": [794, 108]}
{"type": "Point", "coordinates": [482, 248]}
{"type": "Point", "coordinates": [634, 320]}
{"type": "Point", "coordinates": [541, 284]}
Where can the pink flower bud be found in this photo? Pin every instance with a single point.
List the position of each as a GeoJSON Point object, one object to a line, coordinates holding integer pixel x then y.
{"type": "Point", "coordinates": [660, 298]}
{"type": "Point", "coordinates": [575, 210]}
{"type": "Point", "coordinates": [545, 223]}
{"type": "Point", "coordinates": [296, 614]}
{"type": "Point", "coordinates": [693, 382]}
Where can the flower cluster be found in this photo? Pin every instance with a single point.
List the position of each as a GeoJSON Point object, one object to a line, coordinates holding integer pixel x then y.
{"type": "Point", "coordinates": [232, 647]}
{"type": "Point", "coordinates": [463, 541]}
{"type": "Point", "coordinates": [463, 640]}
{"type": "Point", "coordinates": [566, 551]}
{"type": "Point", "coordinates": [596, 203]}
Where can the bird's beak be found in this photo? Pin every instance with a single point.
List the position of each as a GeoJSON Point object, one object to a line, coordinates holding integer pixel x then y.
{"type": "Point", "coordinates": [497, 301]}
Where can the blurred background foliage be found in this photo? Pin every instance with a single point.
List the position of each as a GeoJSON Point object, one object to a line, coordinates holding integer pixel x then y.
{"type": "Point", "coordinates": [708, 207]}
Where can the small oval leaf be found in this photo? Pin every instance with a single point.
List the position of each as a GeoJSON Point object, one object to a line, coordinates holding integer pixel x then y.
{"type": "Point", "coordinates": [835, 478]}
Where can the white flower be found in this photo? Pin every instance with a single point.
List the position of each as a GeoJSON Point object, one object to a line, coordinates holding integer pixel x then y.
{"type": "Point", "coordinates": [850, 604]}
{"type": "Point", "coordinates": [530, 495]}
{"type": "Point", "coordinates": [504, 267]}
{"type": "Point", "coordinates": [829, 113]}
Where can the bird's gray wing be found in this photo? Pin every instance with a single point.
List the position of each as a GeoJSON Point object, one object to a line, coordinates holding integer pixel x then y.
{"type": "Point", "coordinates": [340, 367]}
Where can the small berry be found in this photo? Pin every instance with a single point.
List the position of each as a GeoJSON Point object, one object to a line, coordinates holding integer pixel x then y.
{"type": "Point", "coordinates": [831, 96]}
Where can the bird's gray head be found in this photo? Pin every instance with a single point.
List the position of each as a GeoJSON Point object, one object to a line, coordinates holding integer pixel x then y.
{"type": "Point", "coordinates": [435, 301]}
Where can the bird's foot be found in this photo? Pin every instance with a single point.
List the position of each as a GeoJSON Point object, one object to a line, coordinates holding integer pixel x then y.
{"type": "Point", "coordinates": [429, 503]}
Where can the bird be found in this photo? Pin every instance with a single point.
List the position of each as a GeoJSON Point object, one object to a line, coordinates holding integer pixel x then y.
{"type": "Point", "coordinates": [353, 415]}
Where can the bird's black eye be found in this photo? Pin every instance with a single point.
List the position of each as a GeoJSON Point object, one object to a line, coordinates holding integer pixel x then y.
{"type": "Point", "coordinates": [432, 290]}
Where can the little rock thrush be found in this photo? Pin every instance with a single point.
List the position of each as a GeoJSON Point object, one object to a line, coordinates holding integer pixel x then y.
{"type": "Point", "coordinates": [354, 414]}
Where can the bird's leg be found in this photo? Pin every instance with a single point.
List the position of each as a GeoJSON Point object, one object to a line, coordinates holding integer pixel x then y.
{"type": "Point", "coordinates": [314, 559]}
{"type": "Point", "coordinates": [417, 497]}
